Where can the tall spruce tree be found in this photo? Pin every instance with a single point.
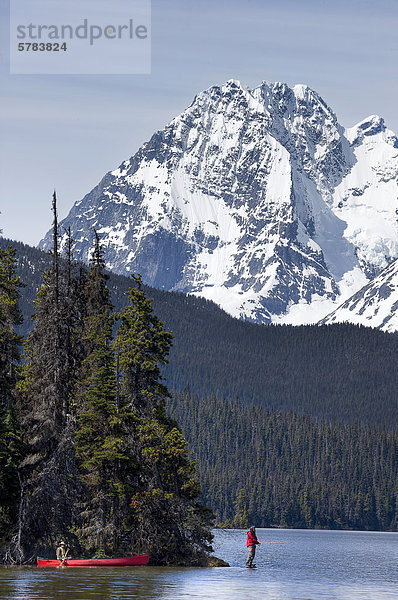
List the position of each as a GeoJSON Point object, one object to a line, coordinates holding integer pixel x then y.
{"type": "Point", "coordinates": [48, 468]}
{"type": "Point", "coordinates": [10, 440]}
{"type": "Point", "coordinates": [165, 519]}
{"type": "Point", "coordinates": [99, 438]}
{"type": "Point", "coordinates": [143, 345]}
{"type": "Point", "coordinates": [10, 318]}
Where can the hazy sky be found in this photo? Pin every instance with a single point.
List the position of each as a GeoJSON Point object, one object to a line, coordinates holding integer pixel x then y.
{"type": "Point", "coordinates": [66, 132]}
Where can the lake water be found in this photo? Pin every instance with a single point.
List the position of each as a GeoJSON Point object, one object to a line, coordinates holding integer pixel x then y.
{"type": "Point", "coordinates": [297, 565]}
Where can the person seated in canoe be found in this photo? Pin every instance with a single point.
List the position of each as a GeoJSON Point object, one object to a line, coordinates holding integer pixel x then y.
{"type": "Point", "coordinates": [62, 552]}
{"type": "Point", "coordinates": [251, 544]}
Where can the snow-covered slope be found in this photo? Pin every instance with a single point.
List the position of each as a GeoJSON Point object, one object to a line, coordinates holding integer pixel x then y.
{"type": "Point", "coordinates": [375, 305]}
{"type": "Point", "coordinates": [257, 199]}
{"type": "Point", "coordinates": [367, 198]}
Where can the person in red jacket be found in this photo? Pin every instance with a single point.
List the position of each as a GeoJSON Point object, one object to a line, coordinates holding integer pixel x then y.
{"type": "Point", "coordinates": [252, 542]}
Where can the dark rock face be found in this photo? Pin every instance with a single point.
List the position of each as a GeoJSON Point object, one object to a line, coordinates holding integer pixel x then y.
{"type": "Point", "coordinates": [246, 198]}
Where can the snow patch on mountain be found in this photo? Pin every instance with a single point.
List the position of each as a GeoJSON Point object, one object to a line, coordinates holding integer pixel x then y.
{"type": "Point", "coordinates": [366, 199]}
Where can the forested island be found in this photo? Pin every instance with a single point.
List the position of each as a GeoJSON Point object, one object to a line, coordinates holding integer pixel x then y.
{"type": "Point", "coordinates": [87, 452]}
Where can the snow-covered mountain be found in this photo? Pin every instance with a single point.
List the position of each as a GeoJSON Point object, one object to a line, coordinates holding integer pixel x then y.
{"type": "Point", "coordinates": [255, 198]}
{"type": "Point", "coordinates": [375, 305]}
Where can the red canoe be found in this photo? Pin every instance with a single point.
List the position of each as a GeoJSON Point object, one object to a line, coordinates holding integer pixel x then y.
{"type": "Point", "coordinates": [129, 561]}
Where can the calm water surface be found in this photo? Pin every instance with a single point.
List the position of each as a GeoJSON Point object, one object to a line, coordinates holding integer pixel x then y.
{"type": "Point", "coordinates": [302, 565]}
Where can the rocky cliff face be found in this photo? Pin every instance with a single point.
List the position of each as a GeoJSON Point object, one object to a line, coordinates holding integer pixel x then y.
{"type": "Point", "coordinates": [257, 199]}
{"type": "Point", "coordinates": [374, 305]}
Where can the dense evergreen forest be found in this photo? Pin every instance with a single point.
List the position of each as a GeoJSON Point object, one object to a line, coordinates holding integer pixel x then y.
{"type": "Point", "coordinates": [341, 372]}
{"type": "Point", "coordinates": [87, 452]}
{"type": "Point", "coordinates": [274, 469]}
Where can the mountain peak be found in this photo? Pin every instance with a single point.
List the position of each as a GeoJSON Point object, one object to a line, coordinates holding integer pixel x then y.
{"type": "Point", "coordinates": [253, 198]}
{"type": "Point", "coordinates": [371, 126]}
{"type": "Point", "coordinates": [234, 83]}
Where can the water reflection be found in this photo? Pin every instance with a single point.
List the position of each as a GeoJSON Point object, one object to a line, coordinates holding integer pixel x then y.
{"type": "Point", "coordinates": [303, 565]}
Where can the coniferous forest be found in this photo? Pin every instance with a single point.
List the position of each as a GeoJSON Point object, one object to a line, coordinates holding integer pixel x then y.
{"type": "Point", "coordinates": [87, 452]}
{"type": "Point", "coordinates": [275, 469]}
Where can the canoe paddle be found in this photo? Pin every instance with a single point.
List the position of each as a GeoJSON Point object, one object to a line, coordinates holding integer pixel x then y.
{"type": "Point", "coordinates": [63, 560]}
